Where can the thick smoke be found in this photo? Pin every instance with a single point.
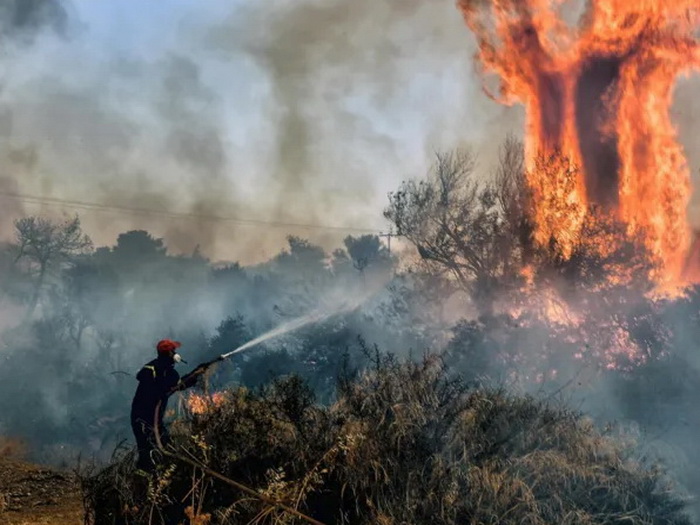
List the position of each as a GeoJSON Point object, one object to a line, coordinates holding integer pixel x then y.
{"type": "Point", "coordinates": [318, 56]}
{"type": "Point", "coordinates": [24, 19]}
{"type": "Point", "coordinates": [292, 112]}
{"type": "Point", "coordinates": [20, 22]}
{"type": "Point", "coordinates": [85, 149]}
{"type": "Point", "coordinates": [344, 77]}
{"type": "Point", "coordinates": [686, 114]}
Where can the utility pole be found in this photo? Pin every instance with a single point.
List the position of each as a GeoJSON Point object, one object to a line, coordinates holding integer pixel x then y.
{"type": "Point", "coordinates": [388, 237]}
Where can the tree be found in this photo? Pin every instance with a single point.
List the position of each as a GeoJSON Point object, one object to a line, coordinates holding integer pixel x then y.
{"type": "Point", "coordinates": [463, 227]}
{"type": "Point", "coordinates": [43, 245]}
{"type": "Point", "coordinates": [302, 259]}
{"type": "Point", "coordinates": [302, 271]}
{"type": "Point", "coordinates": [231, 333]}
{"type": "Point", "coordinates": [86, 298]}
{"type": "Point", "coordinates": [604, 255]}
{"type": "Point", "coordinates": [137, 249]}
{"type": "Point", "coordinates": [514, 196]}
{"type": "Point", "coordinates": [11, 279]}
{"type": "Point", "coordinates": [367, 251]}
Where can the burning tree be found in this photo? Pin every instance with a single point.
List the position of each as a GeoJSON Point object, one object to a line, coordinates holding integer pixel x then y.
{"type": "Point", "coordinates": [482, 234]}
{"type": "Point", "coordinates": [474, 231]}
{"type": "Point", "coordinates": [544, 307]}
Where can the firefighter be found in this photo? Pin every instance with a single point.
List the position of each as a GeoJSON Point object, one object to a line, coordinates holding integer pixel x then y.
{"type": "Point", "coordinates": [158, 379]}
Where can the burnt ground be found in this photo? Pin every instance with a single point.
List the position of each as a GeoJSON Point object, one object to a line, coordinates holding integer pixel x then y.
{"type": "Point", "coordinates": [31, 495]}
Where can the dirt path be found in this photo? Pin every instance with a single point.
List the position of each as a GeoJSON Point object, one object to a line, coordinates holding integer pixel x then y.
{"type": "Point", "coordinates": [31, 495]}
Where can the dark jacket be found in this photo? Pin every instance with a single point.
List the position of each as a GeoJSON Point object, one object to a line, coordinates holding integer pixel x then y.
{"type": "Point", "coordinates": [157, 380]}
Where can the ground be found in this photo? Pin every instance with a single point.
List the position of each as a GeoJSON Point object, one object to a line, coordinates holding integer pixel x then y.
{"type": "Point", "coordinates": [31, 495]}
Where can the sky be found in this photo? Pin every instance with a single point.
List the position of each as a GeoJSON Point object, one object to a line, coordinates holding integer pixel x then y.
{"type": "Point", "coordinates": [282, 112]}
{"type": "Point", "coordinates": [286, 112]}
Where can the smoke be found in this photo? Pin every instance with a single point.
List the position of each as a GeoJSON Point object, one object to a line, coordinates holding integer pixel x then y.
{"type": "Point", "coordinates": [89, 144]}
{"type": "Point", "coordinates": [318, 56]}
{"type": "Point", "coordinates": [24, 19]}
{"type": "Point", "coordinates": [193, 138]}
{"type": "Point", "coordinates": [291, 112]}
{"type": "Point", "coordinates": [338, 69]}
{"type": "Point", "coordinates": [240, 116]}
{"type": "Point", "coordinates": [686, 115]}
{"type": "Point", "coordinates": [20, 22]}
{"type": "Point", "coordinates": [299, 113]}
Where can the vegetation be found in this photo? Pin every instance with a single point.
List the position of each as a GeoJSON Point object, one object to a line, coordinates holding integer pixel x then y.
{"type": "Point", "coordinates": [503, 312]}
{"type": "Point", "coordinates": [403, 443]}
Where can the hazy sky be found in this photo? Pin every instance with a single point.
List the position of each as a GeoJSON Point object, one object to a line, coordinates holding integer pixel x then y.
{"type": "Point", "coordinates": [285, 111]}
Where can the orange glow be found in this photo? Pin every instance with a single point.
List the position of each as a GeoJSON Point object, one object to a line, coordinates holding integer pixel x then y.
{"type": "Point", "coordinates": [597, 98]}
{"type": "Point", "coordinates": [201, 403]}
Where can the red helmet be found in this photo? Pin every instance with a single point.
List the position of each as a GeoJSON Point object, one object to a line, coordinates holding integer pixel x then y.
{"type": "Point", "coordinates": [166, 346]}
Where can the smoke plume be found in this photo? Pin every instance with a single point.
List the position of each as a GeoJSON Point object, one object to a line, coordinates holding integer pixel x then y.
{"type": "Point", "coordinates": [295, 113]}
{"type": "Point", "coordinates": [24, 19]}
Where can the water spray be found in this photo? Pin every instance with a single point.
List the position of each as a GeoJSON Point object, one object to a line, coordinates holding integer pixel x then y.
{"type": "Point", "coordinates": [290, 326]}
{"type": "Point", "coordinates": [316, 316]}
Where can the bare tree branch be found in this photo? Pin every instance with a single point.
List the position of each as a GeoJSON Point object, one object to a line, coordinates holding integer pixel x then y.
{"type": "Point", "coordinates": [44, 245]}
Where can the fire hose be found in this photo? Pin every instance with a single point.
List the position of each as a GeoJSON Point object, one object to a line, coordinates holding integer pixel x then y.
{"type": "Point", "coordinates": [240, 486]}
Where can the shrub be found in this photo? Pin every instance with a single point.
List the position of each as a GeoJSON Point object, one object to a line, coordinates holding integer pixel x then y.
{"type": "Point", "coordinates": [404, 443]}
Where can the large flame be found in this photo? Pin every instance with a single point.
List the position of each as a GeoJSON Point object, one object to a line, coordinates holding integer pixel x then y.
{"type": "Point", "coordinates": [597, 97]}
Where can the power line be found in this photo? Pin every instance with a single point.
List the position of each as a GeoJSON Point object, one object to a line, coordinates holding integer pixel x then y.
{"type": "Point", "coordinates": [94, 206]}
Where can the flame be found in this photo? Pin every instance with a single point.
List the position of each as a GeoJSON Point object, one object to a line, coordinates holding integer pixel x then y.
{"type": "Point", "coordinates": [597, 98]}
{"type": "Point", "coordinates": [202, 403]}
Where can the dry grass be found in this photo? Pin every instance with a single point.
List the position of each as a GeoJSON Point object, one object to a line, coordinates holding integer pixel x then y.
{"type": "Point", "coordinates": [404, 443]}
{"type": "Point", "coordinates": [31, 495]}
{"type": "Point", "coordinates": [12, 448]}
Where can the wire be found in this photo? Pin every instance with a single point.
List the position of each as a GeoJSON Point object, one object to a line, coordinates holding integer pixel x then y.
{"type": "Point", "coordinates": [94, 206]}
